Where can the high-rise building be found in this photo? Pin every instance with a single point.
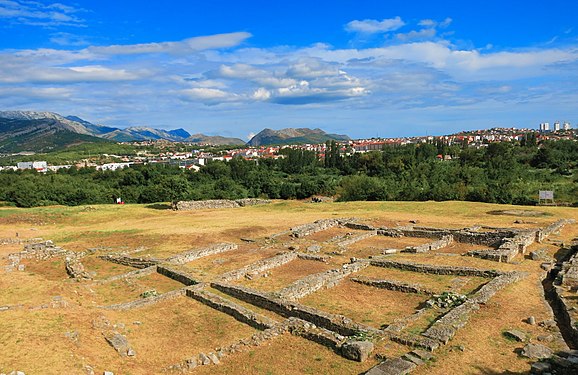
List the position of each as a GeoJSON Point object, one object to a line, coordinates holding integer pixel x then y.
{"type": "Point", "coordinates": [566, 125]}
{"type": "Point", "coordinates": [557, 126]}
{"type": "Point", "coordinates": [544, 127]}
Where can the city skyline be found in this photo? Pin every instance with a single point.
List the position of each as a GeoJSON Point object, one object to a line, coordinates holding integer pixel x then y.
{"type": "Point", "coordinates": [347, 67]}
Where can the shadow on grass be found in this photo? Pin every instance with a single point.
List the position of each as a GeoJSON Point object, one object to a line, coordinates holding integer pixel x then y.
{"type": "Point", "coordinates": [160, 206]}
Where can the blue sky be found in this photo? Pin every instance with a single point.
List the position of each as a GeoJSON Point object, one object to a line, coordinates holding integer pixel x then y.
{"type": "Point", "coordinates": [363, 68]}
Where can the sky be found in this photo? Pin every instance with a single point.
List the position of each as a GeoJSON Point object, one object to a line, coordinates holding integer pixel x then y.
{"type": "Point", "coordinates": [363, 68]}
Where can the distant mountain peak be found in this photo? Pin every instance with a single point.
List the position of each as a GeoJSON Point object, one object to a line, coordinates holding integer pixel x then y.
{"type": "Point", "coordinates": [293, 136]}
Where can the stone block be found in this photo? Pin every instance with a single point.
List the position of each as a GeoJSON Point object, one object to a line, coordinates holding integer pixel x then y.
{"type": "Point", "coordinates": [357, 350]}
{"type": "Point", "coordinates": [540, 368]}
{"type": "Point", "coordinates": [536, 351]}
{"type": "Point", "coordinates": [516, 335]}
{"type": "Point", "coordinates": [394, 366]}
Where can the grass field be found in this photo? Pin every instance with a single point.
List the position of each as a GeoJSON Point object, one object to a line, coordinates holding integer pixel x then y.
{"type": "Point", "coordinates": [47, 307]}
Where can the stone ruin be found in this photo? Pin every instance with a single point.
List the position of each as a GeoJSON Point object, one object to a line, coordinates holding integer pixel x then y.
{"type": "Point", "coordinates": [350, 339]}
{"type": "Point", "coordinates": [219, 203]}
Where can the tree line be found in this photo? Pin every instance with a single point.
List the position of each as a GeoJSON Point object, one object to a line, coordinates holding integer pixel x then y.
{"type": "Point", "coordinates": [502, 172]}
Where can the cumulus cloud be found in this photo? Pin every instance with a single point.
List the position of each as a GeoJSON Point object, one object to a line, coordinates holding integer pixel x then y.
{"type": "Point", "coordinates": [369, 26]}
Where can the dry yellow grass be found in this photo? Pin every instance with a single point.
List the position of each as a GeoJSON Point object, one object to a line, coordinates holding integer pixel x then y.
{"type": "Point", "coordinates": [33, 333]}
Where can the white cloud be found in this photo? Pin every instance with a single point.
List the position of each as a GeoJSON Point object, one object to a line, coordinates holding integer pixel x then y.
{"type": "Point", "coordinates": [35, 13]}
{"type": "Point", "coordinates": [374, 26]}
{"type": "Point", "coordinates": [421, 34]}
{"type": "Point", "coordinates": [185, 46]}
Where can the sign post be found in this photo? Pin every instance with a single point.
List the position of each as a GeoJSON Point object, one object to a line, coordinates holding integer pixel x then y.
{"type": "Point", "coordinates": [546, 197]}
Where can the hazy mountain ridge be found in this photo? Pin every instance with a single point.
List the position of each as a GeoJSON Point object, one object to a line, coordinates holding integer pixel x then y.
{"type": "Point", "coordinates": [294, 136]}
{"type": "Point", "coordinates": [37, 131]}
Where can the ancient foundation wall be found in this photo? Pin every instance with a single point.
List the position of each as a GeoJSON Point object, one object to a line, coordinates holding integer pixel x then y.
{"type": "Point", "coordinates": [219, 203]}
{"type": "Point", "coordinates": [436, 270]}
{"type": "Point", "coordinates": [259, 266]}
{"type": "Point", "coordinates": [129, 261]}
{"type": "Point", "coordinates": [337, 323]}
{"type": "Point", "coordinates": [176, 275]}
{"type": "Point", "coordinates": [312, 283]}
{"type": "Point", "coordinates": [396, 286]}
{"type": "Point", "coordinates": [191, 255]}
{"type": "Point", "coordinates": [237, 311]}
{"type": "Point", "coordinates": [146, 301]}
{"type": "Point", "coordinates": [317, 226]}
{"type": "Point", "coordinates": [445, 241]}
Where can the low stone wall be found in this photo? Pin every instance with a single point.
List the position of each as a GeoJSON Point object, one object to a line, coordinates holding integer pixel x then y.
{"type": "Point", "coordinates": [354, 239]}
{"type": "Point", "coordinates": [436, 270]}
{"type": "Point", "coordinates": [317, 258]}
{"type": "Point", "coordinates": [130, 275]}
{"type": "Point", "coordinates": [396, 286]}
{"type": "Point", "coordinates": [214, 358]}
{"type": "Point", "coordinates": [129, 261]}
{"type": "Point", "coordinates": [312, 283]}
{"type": "Point", "coordinates": [237, 311]}
{"type": "Point", "coordinates": [336, 323]}
{"type": "Point", "coordinates": [327, 338]}
{"type": "Point", "coordinates": [251, 202]}
{"type": "Point", "coordinates": [74, 267]}
{"type": "Point", "coordinates": [567, 281]}
{"type": "Point", "coordinates": [18, 241]}
{"type": "Point", "coordinates": [415, 341]}
{"type": "Point", "coordinates": [219, 203]}
{"type": "Point", "coordinates": [358, 226]}
{"type": "Point", "coordinates": [146, 301]}
{"type": "Point", "coordinates": [177, 275]}
{"type": "Point", "coordinates": [554, 227]}
{"type": "Point", "coordinates": [317, 226]}
{"type": "Point", "coordinates": [191, 255]}
{"type": "Point", "coordinates": [488, 290]}
{"type": "Point", "coordinates": [445, 328]}
{"type": "Point", "coordinates": [445, 241]}
{"type": "Point", "coordinates": [509, 248]}
{"type": "Point", "coordinates": [259, 266]}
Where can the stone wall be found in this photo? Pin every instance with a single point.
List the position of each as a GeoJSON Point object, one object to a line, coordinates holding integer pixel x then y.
{"type": "Point", "coordinates": [219, 203]}
{"type": "Point", "coordinates": [436, 270]}
{"type": "Point", "coordinates": [396, 286]}
{"type": "Point", "coordinates": [354, 239]}
{"type": "Point", "coordinates": [18, 241]}
{"type": "Point", "coordinates": [130, 275]}
{"type": "Point", "coordinates": [146, 301]}
{"type": "Point", "coordinates": [237, 311]}
{"type": "Point", "coordinates": [191, 255]}
{"type": "Point", "coordinates": [317, 258]}
{"type": "Point", "coordinates": [177, 275]}
{"type": "Point", "coordinates": [317, 226]}
{"type": "Point", "coordinates": [567, 283]}
{"type": "Point", "coordinates": [336, 323]}
{"type": "Point", "coordinates": [312, 283]}
{"type": "Point", "coordinates": [554, 227]}
{"type": "Point", "coordinates": [74, 267]}
{"type": "Point", "coordinates": [259, 266]}
{"type": "Point", "coordinates": [445, 328]}
{"type": "Point", "coordinates": [445, 241]}
{"type": "Point", "coordinates": [129, 261]}
{"type": "Point", "coordinates": [509, 248]}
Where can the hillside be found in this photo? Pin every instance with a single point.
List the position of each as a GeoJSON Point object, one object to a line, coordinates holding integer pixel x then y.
{"type": "Point", "coordinates": [215, 140]}
{"type": "Point", "coordinates": [142, 133]}
{"type": "Point", "coordinates": [41, 135]}
{"type": "Point", "coordinates": [293, 136]}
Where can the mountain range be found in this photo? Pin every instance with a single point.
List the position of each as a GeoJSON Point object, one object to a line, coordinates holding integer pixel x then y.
{"type": "Point", "coordinates": [44, 131]}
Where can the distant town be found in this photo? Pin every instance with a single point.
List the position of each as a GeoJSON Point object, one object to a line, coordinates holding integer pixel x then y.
{"type": "Point", "coordinates": [196, 158]}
